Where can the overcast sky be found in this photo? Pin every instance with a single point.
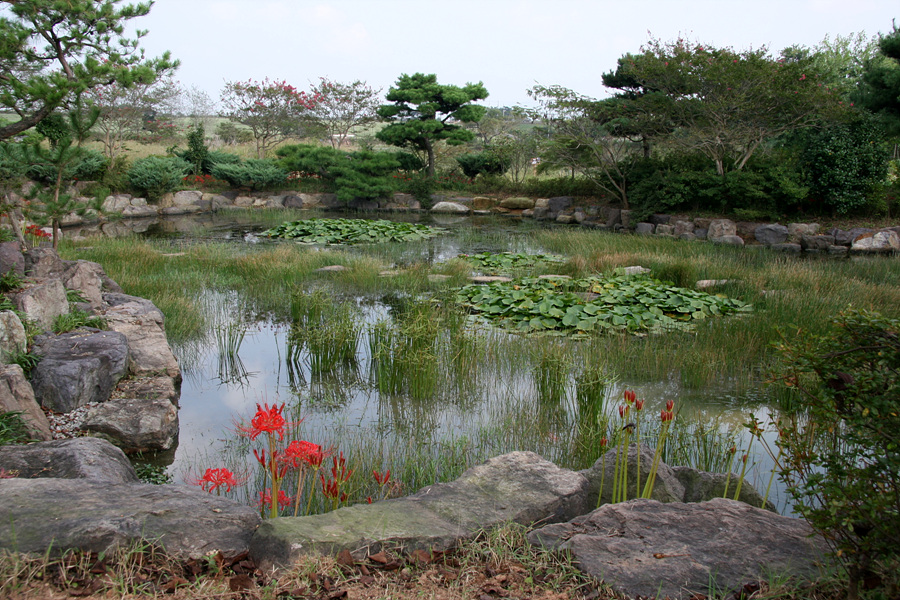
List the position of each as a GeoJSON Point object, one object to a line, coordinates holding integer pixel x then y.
{"type": "Point", "coordinates": [509, 45]}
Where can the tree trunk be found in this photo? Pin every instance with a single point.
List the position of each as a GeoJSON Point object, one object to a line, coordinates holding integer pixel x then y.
{"type": "Point", "coordinates": [430, 166]}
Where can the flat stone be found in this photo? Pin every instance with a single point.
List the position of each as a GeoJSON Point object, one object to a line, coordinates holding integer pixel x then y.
{"type": "Point", "coordinates": [84, 458]}
{"type": "Point", "coordinates": [489, 279]}
{"type": "Point", "coordinates": [635, 270]}
{"type": "Point", "coordinates": [56, 515]}
{"type": "Point", "coordinates": [708, 283]}
{"type": "Point", "coordinates": [331, 269]}
{"type": "Point", "coordinates": [518, 487]}
{"type": "Point", "coordinates": [655, 550]}
{"type": "Point", "coordinates": [135, 424]}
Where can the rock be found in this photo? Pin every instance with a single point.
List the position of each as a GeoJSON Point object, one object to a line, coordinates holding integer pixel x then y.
{"type": "Point", "coordinates": [83, 458]}
{"type": "Point", "coordinates": [97, 517]}
{"type": "Point", "coordinates": [43, 262]}
{"type": "Point", "coordinates": [625, 217]}
{"type": "Point", "coordinates": [489, 279]}
{"type": "Point", "coordinates": [517, 203]}
{"type": "Point", "coordinates": [331, 269]}
{"type": "Point", "coordinates": [16, 395]}
{"type": "Point", "coordinates": [879, 241]}
{"type": "Point", "coordinates": [655, 550]}
{"type": "Point", "coordinates": [796, 231]}
{"type": "Point", "coordinates": [730, 240]}
{"type": "Point", "coordinates": [635, 270]}
{"type": "Point", "coordinates": [709, 283]}
{"type": "Point", "coordinates": [86, 277]}
{"type": "Point", "coordinates": [135, 425]}
{"type": "Point", "coordinates": [559, 203]}
{"type": "Point", "coordinates": [816, 243]}
{"type": "Point", "coordinates": [700, 486]}
{"type": "Point", "coordinates": [138, 212]}
{"type": "Point", "coordinates": [662, 229]}
{"type": "Point", "coordinates": [78, 367]}
{"type": "Point", "coordinates": [613, 216]}
{"type": "Point", "coordinates": [788, 248]}
{"type": "Point", "coordinates": [838, 250]}
{"type": "Point", "coordinates": [43, 302]}
{"type": "Point", "coordinates": [187, 198]}
{"type": "Point", "coordinates": [116, 203]}
{"type": "Point", "coordinates": [565, 219]}
{"type": "Point", "coordinates": [143, 325]}
{"type": "Point", "coordinates": [12, 335]}
{"type": "Point", "coordinates": [519, 487]}
{"type": "Point", "coordinates": [485, 203]}
{"type": "Point", "coordinates": [845, 238]}
{"type": "Point", "coordinates": [293, 201]}
{"type": "Point", "coordinates": [687, 237]}
{"type": "Point", "coordinates": [719, 228]}
{"type": "Point", "coordinates": [771, 234]}
{"type": "Point", "coordinates": [682, 227]}
{"type": "Point", "coordinates": [453, 208]}
{"type": "Point", "coordinates": [666, 489]}
{"type": "Point", "coordinates": [149, 388]}
{"type": "Point", "coordinates": [644, 228]}
{"type": "Point", "coordinates": [701, 233]}
{"type": "Point", "coordinates": [11, 258]}
{"type": "Point", "coordinates": [660, 219]}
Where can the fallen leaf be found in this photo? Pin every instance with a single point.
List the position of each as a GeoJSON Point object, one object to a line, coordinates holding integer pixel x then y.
{"type": "Point", "coordinates": [381, 557]}
{"type": "Point", "coordinates": [420, 557]}
{"type": "Point", "coordinates": [239, 583]}
{"type": "Point", "coordinates": [345, 559]}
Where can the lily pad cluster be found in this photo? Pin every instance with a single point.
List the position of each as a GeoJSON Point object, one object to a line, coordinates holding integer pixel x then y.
{"type": "Point", "coordinates": [508, 262]}
{"type": "Point", "coordinates": [352, 231]}
{"type": "Point", "coordinates": [634, 303]}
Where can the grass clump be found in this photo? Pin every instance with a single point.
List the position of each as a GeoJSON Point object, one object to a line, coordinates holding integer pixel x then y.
{"type": "Point", "coordinates": [77, 318]}
{"type": "Point", "coordinates": [13, 429]}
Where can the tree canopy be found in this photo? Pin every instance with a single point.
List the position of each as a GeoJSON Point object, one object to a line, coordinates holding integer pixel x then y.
{"type": "Point", "coordinates": [52, 51]}
{"type": "Point", "coordinates": [879, 89]}
{"type": "Point", "coordinates": [424, 112]}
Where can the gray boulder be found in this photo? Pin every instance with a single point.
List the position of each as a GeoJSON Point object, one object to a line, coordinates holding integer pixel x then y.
{"type": "Point", "coordinates": [787, 248]}
{"type": "Point", "coordinates": [663, 229]}
{"type": "Point", "coordinates": [12, 335]}
{"type": "Point", "coordinates": [43, 302]}
{"type": "Point", "coordinates": [879, 242]}
{"type": "Point", "coordinates": [116, 203]}
{"type": "Point", "coordinates": [453, 208]}
{"type": "Point", "coordinates": [88, 278]}
{"type": "Point", "coordinates": [845, 237]}
{"type": "Point", "coordinates": [730, 240]}
{"type": "Point", "coordinates": [700, 486]}
{"type": "Point", "coordinates": [658, 219]}
{"type": "Point", "coordinates": [293, 201]}
{"type": "Point", "coordinates": [517, 203]}
{"type": "Point", "coordinates": [77, 458]}
{"type": "Point", "coordinates": [518, 487]}
{"type": "Point", "coordinates": [16, 395]}
{"type": "Point", "coordinates": [644, 228]}
{"type": "Point", "coordinates": [796, 231]}
{"type": "Point", "coordinates": [55, 515]}
{"type": "Point", "coordinates": [771, 234]}
{"type": "Point", "coordinates": [11, 258]}
{"type": "Point", "coordinates": [666, 489]}
{"type": "Point", "coordinates": [683, 227]}
{"type": "Point", "coordinates": [43, 262]}
{"type": "Point", "coordinates": [654, 550]}
{"type": "Point", "coordinates": [143, 325]}
{"type": "Point", "coordinates": [149, 388]}
{"type": "Point", "coordinates": [558, 204]}
{"type": "Point", "coordinates": [135, 425]}
{"type": "Point", "coordinates": [78, 367]}
{"type": "Point", "coordinates": [612, 216]}
{"type": "Point", "coordinates": [719, 228]}
{"type": "Point", "coordinates": [187, 198]}
{"type": "Point", "coordinates": [816, 243]}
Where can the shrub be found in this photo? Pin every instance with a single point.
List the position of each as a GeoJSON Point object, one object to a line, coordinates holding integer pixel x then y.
{"type": "Point", "coordinates": [255, 173]}
{"type": "Point", "coordinates": [479, 163]}
{"type": "Point", "coordinates": [841, 449]}
{"type": "Point", "coordinates": [90, 166]}
{"type": "Point", "coordinates": [197, 153]}
{"type": "Point", "coordinates": [157, 175]}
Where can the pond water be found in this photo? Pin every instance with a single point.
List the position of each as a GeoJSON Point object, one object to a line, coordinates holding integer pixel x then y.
{"type": "Point", "coordinates": [448, 401]}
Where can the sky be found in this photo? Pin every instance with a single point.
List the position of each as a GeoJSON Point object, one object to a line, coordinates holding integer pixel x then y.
{"type": "Point", "coordinates": [509, 45]}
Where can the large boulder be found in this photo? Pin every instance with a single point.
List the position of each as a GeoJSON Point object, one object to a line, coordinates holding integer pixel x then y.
{"type": "Point", "coordinates": [655, 550]}
{"type": "Point", "coordinates": [16, 395]}
{"type": "Point", "coordinates": [453, 208]}
{"type": "Point", "coordinates": [55, 515]}
{"type": "Point", "coordinates": [43, 301]}
{"type": "Point", "coordinates": [11, 258]}
{"type": "Point", "coordinates": [88, 278]}
{"type": "Point", "coordinates": [12, 335]}
{"type": "Point", "coordinates": [78, 367]}
{"type": "Point", "coordinates": [143, 325]}
{"type": "Point", "coordinates": [816, 243]}
{"type": "Point", "coordinates": [77, 458]}
{"type": "Point", "coordinates": [666, 489]}
{"type": "Point", "coordinates": [559, 203]}
{"type": "Point", "coordinates": [43, 262]}
{"type": "Point", "coordinates": [883, 241]}
{"type": "Point", "coordinates": [700, 486]}
{"type": "Point", "coordinates": [771, 234]}
{"type": "Point", "coordinates": [135, 425]}
{"type": "Point", "coordinates": [518, 487]}
{"type": "Point", "coordinates": [719, 228]}
{"type": "Point", "coordinates": [845, 237]}
{"type": "Point", "coordinates": [517, 203]}
{"type": "Point", "coordinates": [796, 231]}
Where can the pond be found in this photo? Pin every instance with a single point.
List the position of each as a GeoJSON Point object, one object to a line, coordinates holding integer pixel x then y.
{"type": "Point", "coordinates": [471, 391]}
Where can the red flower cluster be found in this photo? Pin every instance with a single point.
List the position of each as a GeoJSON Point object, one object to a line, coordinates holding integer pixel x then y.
{"type": "Point", "coordinates": [268, 420]}
{"type": "Point", "coordinates": [265, 499]}
{"type": "Point", "coordinates": [213, 479]}
{"type": "Point", "coordinates": [35, 231]}
{"type": "Point", "coordinates": [200, 180]}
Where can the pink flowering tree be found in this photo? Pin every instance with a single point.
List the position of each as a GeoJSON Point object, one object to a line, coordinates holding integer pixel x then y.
{"type": "Point", "coordinates": [272, 110]}
{"type": "Point", "coordinates": [342, 107]}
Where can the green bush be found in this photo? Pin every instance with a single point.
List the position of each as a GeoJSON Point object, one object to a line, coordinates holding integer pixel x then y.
{"type": "Point", "coordinates": [230, 133]}
{"type": "Point", "coordinates": [254, 173]}
{"type": "Point", "coordinates": [157, 175]}
{"type": "Point", "coordinates": [479, 163]}
{"type": "Point", "coordinates": [91, 166]}
{"type": "Point", "coordinates": [351, 175]}
{"type": "Point", "coordinates": [197, 152]}
{"type": "Point", "coordinates": [841, 448]}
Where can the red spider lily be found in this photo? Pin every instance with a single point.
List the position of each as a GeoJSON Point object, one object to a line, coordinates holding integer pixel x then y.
{"type": "Point", "coordinates": [639, 405]}
{"type": "Point", "coordinates": [268, 420]}
{"type": "Point", "coordinates": [382, 479]}
{"type": "Point", "coordinates": [339, 470]}
{"type": "Point", "coordinates": [666, 415]}
{"type": "Point", "coordinates": [214, 479]}
{"type": "Point", "coordinates": [670, 404]}
{"type": "Point", "coordinates": [299, 453]}
{"type": "Point", "coordinates": [624, 410]}
{"type": "Point", "coordinates": [265, 499]}
{"type": "Point", "coordinates": [332, 489]}
{"type": "Point", "coordinates": [630, 396]}
{"type": "Point", "coordinates": [604, 442]}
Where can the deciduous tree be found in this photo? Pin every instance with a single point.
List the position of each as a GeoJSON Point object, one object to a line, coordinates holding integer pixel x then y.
{"type": "Point", "coordinates": [423, 112]}
{"type": "Point", "coordinates": [342, 106]}
{"type": "Point", "coordinates": [51, 51]}
{"type": "Point", "coordinates": [272, 110]}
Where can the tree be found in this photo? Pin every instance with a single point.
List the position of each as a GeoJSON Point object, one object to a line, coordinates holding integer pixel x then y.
{"type": "Point", "coordinates": [343, 106]}
{"type": "Point", "coordinates": [879, 90]}
{"type": "Point", "coordinates": [840, 61]}
{"type": "Point", "coordinates": [124, 109]}
{"type": "Point", "coordinates": [272, 110]}
{"type": "Point", "coordinates": [725, 103]}
{"type": "Point", "coordinates": [424, 113]}
{"type": "Point", "coordinates": [51, 51]}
